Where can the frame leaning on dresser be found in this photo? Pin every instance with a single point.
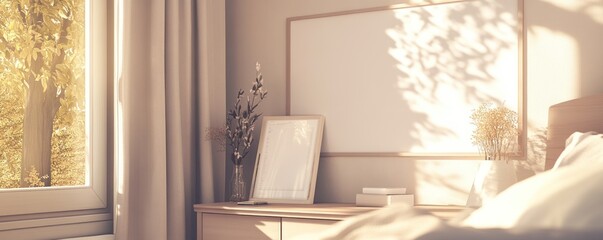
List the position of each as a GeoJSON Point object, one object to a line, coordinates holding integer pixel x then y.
{"type": "Point", "coordinates": [280, 221]}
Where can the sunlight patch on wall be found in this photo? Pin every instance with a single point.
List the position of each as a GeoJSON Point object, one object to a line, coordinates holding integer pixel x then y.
{"type": "Point", "coordinates": [569, 5]}
{"type": "Point", "coordinates": [444, 182]}
{"type": "Point", "coordinates": [591, 8]}
{"type": "Point", "coordinates": [556, 71]}
{"type": "Point", "coordinates": [596, 12]}
{"type": "Point", "coordinates": [451, 58]}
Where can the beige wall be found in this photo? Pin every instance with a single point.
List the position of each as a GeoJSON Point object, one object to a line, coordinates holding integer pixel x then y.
{"type": "Point", "coordinates": [563, 58]}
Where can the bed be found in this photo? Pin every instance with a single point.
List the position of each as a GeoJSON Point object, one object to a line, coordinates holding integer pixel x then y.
{"type": "Point", "coordinates": [560, 203]}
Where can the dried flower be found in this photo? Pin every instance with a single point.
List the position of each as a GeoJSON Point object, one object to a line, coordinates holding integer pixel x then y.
{"type": "Point", "coordinates": [240, 121]}
{"type": "Point", "coordinates": [495, 131]}
{"type": "Point", "coordinates": [217, 135]}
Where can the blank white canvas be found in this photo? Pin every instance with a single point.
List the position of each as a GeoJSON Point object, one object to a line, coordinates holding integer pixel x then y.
{"type": "Point", "coordinates": [405, 80]}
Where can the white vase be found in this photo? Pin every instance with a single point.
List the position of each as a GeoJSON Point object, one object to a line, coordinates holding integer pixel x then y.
{"type": "Point", "coordinates": [492, 177]}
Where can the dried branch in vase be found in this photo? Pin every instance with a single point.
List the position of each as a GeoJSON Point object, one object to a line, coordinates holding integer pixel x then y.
{"type": "Point", "coordinates": [240, 121]}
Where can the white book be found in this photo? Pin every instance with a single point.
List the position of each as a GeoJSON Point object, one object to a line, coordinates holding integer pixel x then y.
{"type": "Point", "coordinates": [375, 200]}
{"type": "Point", "coordinates": [383, 191]}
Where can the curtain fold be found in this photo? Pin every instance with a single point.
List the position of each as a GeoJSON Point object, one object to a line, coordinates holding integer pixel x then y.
{"type": "Point", "coordinates": [163, 165]}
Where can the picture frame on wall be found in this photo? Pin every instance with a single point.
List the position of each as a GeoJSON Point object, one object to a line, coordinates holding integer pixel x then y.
{"type": "Point", "coordinates": [420, 68]}
{"type": "Point", "coordinates": [287, 159]}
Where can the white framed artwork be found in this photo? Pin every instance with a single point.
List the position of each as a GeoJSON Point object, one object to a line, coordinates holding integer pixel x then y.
{"type": "Point", "coordinates": [287, 159]}
{"type": "Point", "coordinates": [403, 80]}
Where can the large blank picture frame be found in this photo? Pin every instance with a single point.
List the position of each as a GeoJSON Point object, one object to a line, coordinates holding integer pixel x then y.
{"type": "Point", "coordinates": [403, 80]}
{"type": "Point", "coordinates": [287, 160]}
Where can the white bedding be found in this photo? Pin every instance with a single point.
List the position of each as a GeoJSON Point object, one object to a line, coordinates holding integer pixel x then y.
{"type": "Point", "coordinates": [561, 204]}
{"type": "Point", "coordinates": [404, 222]}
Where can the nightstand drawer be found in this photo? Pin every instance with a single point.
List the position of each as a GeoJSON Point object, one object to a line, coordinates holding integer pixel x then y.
{"type": "Point", "coordinates": [224, 227]}
{"type": "Point", "coordinates": [292, 227]}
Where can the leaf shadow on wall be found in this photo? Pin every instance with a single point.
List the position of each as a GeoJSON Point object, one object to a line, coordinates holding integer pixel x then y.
{"type": "Point", "coordinates": [448, 60]}
{"type": "Point", "coordinates": [446, 56]}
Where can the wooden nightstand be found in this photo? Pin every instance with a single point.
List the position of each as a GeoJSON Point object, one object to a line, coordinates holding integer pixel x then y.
{"type": "Point", "coordinates": [281, 221]}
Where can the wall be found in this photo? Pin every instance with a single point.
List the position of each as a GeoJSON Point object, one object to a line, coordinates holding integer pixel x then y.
{"type": "Point", "coordinates": [563, 53]}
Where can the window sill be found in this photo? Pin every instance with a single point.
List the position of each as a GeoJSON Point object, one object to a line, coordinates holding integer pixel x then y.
{"type": "Point", "coordinates": [99, 237]}
{"type": "Point", "coordinates": [58, 227]}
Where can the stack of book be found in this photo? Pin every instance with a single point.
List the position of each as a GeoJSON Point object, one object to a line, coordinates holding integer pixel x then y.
{"type": "Point", "coordinates": [379, 197]}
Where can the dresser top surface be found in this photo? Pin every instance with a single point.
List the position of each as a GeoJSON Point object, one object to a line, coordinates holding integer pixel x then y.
{"type": "Point", "coordinates": [332, 211]}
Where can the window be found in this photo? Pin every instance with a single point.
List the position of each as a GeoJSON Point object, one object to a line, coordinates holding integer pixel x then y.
{"type": "Point", "coordinates": [53, 87]}
{"type": "Point", "coordinates": [44, 100]}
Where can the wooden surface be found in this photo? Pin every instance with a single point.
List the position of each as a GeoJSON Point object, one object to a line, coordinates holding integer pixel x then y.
{"type": "Point", "coordinates": [322, 211]}
{"type": "Point", "coordinates": [225, 227]}
{"type": "Point", "coordinates": [291, 227]}
{"type": "Point", "coordinates": [582, 114]}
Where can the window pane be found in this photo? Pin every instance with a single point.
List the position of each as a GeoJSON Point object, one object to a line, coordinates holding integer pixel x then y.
{"type": "Point", "coordinates": [43, 137]}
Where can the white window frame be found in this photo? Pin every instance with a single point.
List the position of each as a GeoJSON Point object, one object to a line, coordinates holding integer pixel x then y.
{"type": "Point", "coordinates": [93, 195]}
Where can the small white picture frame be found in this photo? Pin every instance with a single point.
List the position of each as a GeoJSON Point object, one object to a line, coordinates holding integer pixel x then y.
{"type": "Point", "coordinates": [287, 159]}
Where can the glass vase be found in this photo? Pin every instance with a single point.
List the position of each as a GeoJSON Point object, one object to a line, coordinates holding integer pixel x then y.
{"type": "Point", "coordinates": [238, 185]}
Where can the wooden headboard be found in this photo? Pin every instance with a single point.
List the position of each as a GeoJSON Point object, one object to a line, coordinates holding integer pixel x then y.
{"type": "Point", "coordinates": [582, 114]}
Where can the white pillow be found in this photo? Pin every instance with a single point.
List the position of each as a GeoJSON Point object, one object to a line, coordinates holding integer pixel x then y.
{"type": "Point", "coordinates": [567, 198]}
{"type": "Point", "coordinates": [579, 144]}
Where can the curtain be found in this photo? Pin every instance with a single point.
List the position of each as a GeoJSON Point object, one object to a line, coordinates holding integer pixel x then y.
{"type": "Point", "coordinates": [165, 68]}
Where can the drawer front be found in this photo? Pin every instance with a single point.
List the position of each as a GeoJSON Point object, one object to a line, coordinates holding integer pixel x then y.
{"type": "Point", "coordinates": [225, 227]}
{"type": "Point", "coordinates": [292, 227]}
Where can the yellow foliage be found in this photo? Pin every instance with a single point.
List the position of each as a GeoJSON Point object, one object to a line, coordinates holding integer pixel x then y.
{"type": "Point", "coordinates": [11, 172]}
{"type": "Point", "coordinates": [11, 131]}
{"type": "Point", "coordinates": [52, 33]}
{"type": "Point", "coordinates": [33, 178]}
{"type": "Point", "coordinates": [69, 148]}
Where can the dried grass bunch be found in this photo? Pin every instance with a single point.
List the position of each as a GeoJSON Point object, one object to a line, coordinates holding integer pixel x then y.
{"type": "Point", "coordinates": [495, 131]}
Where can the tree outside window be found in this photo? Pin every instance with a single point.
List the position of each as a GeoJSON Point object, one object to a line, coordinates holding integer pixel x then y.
{"type": "Point", "coordinates": [42, 93]}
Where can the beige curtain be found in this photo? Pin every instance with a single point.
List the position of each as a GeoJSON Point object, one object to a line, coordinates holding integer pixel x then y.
{"type": "Point", "coordinates": [163, 167]}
